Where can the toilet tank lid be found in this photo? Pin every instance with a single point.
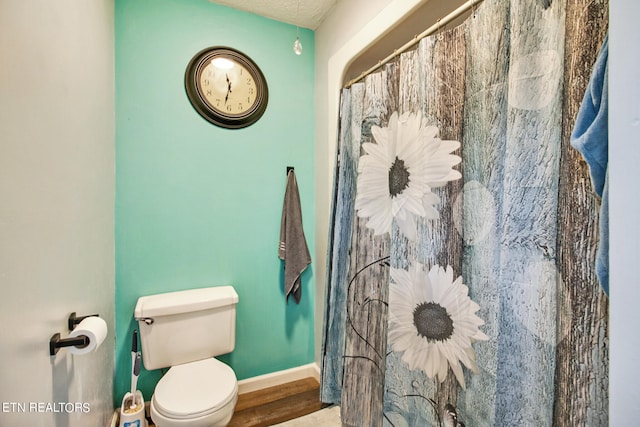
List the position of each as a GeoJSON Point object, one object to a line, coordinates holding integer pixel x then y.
{"type": "Point", "coordinates": [185, 301]}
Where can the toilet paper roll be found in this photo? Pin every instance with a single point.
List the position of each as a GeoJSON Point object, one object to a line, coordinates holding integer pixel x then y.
{"type": "Point", "coordinates": [95, 328]}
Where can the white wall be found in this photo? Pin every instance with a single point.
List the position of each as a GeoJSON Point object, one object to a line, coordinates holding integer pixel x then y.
{"type": "Point", "coordinates": [355, 24]}
{"type": "Point", "coordinates": [56, 206]}
{"type": "Point", "coordinates": [624, 206]}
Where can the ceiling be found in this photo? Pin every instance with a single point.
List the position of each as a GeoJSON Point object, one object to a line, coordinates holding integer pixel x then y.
{"type": "Point", "coordinates": [310, 13]}
{"type": "Point", "coordinates": [303, 13]}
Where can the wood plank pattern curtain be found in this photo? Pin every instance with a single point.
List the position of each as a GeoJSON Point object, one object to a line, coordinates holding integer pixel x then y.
{"type": "Point", "coordinates": [519, 228]}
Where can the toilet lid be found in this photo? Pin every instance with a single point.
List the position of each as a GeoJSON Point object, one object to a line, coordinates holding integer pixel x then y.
{"type": "Point", "coordinates": [195, 389]}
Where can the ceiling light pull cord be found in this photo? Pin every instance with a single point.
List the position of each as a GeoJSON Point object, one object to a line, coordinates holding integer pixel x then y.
{"type": "Point", "coordinates": [297, 45]}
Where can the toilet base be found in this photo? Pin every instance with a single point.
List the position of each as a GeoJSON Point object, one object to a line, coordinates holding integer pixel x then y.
{"type": "Point", "coordinates": [219, 418]}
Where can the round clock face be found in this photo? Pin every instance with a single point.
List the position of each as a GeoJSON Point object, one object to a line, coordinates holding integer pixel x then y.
{"type": "Point", "coordinates": [226, 87]}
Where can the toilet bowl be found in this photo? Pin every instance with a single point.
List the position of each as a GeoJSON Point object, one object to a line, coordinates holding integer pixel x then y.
{"type": "Point", "coordinates": [195, 394]}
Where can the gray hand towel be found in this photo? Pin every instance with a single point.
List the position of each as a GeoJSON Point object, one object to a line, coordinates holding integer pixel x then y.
{"type": "Point", "coordinates": [293, 248]}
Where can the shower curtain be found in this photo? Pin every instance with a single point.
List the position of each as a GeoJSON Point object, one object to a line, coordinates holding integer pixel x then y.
{"type": "Point", "coordinates": [461, 283]}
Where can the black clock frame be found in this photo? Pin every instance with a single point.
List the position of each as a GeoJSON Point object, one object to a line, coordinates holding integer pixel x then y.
{"type": "Point", "coordinates": [198, 101]}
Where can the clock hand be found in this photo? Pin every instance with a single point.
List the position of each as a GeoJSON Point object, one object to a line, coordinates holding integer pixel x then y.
{"type": "Point", "coordinates": [226, 98]}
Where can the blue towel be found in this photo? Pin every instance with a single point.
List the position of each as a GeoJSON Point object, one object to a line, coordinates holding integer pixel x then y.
{"type": "Point", "coordinates": [591, 138]}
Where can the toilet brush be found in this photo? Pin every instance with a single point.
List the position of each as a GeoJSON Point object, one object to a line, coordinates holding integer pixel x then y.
{"type": "Point", "coordinates": [135, 367]}
{"type": "Point", "coordinates": [132, 411]}
{"type": "Point", "coordinates": [134, 380]}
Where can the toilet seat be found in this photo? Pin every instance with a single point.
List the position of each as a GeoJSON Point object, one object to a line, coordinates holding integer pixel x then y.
{"type": "Point", "coordinates": [195, 389]}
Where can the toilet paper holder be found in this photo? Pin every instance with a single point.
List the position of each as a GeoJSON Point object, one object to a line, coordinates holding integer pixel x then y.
{"type": "Point", "coordinates": [74, 320]}
{"type": "Point", "coordinates": [56, 343]}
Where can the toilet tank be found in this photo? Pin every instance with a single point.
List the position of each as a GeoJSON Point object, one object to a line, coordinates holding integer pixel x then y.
{"type": "Point", "coordinates": [185, 326]}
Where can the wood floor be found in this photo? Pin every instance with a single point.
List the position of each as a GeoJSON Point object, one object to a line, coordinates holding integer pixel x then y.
{"type": "Point", "coordinates": [277, 404]}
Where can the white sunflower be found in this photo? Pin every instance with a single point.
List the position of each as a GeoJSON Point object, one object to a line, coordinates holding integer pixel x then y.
{"type": "Point", "coordinates": [432, 321]}
{"type": "Point", "coordinates": [397, 173]}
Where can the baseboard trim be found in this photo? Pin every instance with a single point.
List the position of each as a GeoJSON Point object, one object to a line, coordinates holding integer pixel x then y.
{"type": "Point", "coordinates": [278, 378]}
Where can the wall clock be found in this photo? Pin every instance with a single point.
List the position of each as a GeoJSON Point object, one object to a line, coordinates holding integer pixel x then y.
{"type": "Point", "coordinates": [226, 87]}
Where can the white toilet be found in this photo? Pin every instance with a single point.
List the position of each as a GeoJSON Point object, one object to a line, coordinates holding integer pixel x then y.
{"type": "Point", "coordinates": [183, 331]}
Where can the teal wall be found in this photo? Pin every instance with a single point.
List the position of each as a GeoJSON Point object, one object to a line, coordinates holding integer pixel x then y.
{"type": "Point", "coordinates": [197, 205]}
